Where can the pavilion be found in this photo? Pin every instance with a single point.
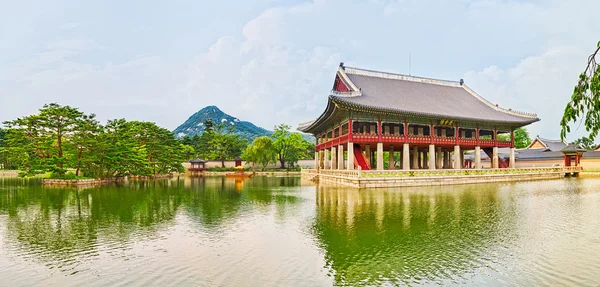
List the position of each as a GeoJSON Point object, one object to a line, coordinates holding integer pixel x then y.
{"type": "Point", "coordinates": [423, 123]}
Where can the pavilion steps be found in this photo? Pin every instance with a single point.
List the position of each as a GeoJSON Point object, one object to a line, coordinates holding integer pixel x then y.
{"type": "Point", "coordinates": [360, 159]}
{"type": "Point", "coordinates": [502, 163]}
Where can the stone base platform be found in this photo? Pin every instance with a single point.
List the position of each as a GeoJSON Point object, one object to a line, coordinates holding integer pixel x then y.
{"type": "Point", "coordinates": [401, 178]}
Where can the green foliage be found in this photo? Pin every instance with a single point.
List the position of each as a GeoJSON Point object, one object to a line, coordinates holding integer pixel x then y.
{"type": "Point", "coordinates": [290, 147]}
{"type": "Point", "coordinates": [585, 100]}
{"type": "Point", "coordinates": [224, 144]}
{"type": "Point", "coordinates": [522, 139]}
{"type": "Point", "coordinates": [585, 143]}
{"type": "Point", "coordinates": [60, 138]}
{"type": "Point", "coordinates": [261, 152]}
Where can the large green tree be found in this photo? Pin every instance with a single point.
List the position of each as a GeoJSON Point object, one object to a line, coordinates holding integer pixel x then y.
{"type": "Point", "coordinates": [43, 136]}
{"type": "Point", "coordinates": [585, 100]}
{"type": "Point", "coordinates": [261, 152]}
{"type": "Point", "coordinates": [289, 147]}
{"type": "Point", "coordinates": [224, 144]}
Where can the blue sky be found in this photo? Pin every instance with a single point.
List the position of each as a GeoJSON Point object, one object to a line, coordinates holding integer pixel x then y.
{"type": "Point", "coordinates": [271, 61]}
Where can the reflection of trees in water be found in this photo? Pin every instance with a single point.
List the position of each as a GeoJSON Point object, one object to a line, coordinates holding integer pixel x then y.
{"type": "Point", "coordinates": [410, 236]}
{"type": "Point", "coordinates": [60, 224]}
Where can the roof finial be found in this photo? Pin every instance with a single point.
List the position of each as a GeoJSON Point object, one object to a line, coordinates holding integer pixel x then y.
{"type": "Point", "coordinates": [342, 65]}
{"type": "Point", "coordinates": [461, 82]}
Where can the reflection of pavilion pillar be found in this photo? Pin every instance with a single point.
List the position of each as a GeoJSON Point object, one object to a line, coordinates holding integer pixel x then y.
{"type": "Point", "coordinates": [438, 157]}
{"type": "Point", "coordinates": [512, 158]}
{"type": "Point", "coordinates": [495, 157]}
{"type": "Point", "coordinates": [350, 164]}
{"type": "Point", "coordinates": [457, 163]}
{"type": "Point", "coordinates": [380, 156]}
{"type": "Point", "coordinates": [340, 157]}
{"type": "Point", "coordinates": [326, 159]}
{"type": "Point", "coordinates": [333, 158]}
{"type": "Point", "coordinates": [405, 157]}
{"type": "Point", "coordinates": [416, 157]}
{"type": "Point", "coordinates": [432, 156]}
{"type": "Point", "coordinates": [477, 157]}
{"type": "Point", "coordinates": [391, 164]}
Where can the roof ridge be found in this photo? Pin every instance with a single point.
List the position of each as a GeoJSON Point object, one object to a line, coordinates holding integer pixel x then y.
{"type": "Point", "coordinates": [397, 76]}
{"type": "Point", "coordinates": [495, 106]}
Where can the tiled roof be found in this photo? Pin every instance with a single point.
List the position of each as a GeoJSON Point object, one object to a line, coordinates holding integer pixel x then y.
{"type": "Point", "coordinates": [424, 96]}
{"type": "Point", "coordinates": [553, 145]}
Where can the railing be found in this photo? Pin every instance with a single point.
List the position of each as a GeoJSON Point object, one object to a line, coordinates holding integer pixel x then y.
{"type": "Point", "coordinates": [442, 172]}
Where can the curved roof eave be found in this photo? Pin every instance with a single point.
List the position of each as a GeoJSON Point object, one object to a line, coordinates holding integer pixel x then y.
{"type": "Point", "coordinates": [353, 106]}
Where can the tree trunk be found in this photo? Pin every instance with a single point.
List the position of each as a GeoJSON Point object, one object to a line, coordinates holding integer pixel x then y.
{"type": "Point", "coordinates": [223, 162]}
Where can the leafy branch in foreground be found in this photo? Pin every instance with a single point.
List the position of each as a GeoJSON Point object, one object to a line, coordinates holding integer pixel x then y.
{"type": "Point", "coordinates": [585, 101]}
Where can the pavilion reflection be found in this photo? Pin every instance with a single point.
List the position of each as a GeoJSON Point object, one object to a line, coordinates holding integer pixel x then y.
{"type": "Point", "coordinates": [377, 236]}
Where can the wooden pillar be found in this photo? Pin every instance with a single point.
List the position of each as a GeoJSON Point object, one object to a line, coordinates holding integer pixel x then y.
{"type": "Point", "coordinates": [350, 164]}
{"type": "Point", "coordinates": [477, 157]}
{"type": "Point", "coordinates": [512, 163]}
{"type": "Point", "coordinates": [457, 163]}
{"type": "Point", "coordinates": [432, 156]}
{"type": "Point", "coordinates": [392, 161]}
{"type": "Point", "coordinates": [405, 157]}
{"type": "Point", "coordinates": [340, 156]}
{"type": "Point", "coordinates": [415, 157]}
{"type": "Point", "coordinates": [495, 156]}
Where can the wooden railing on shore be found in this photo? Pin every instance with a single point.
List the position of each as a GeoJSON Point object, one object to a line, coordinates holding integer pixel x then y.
{"type": "Point", "coordinates": [441, 172]}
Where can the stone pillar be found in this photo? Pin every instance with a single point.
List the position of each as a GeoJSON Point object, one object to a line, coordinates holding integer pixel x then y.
{"type": "Point", "coordinates": [426, 159]}
{"type": "Point", "coordinates": [391, 163]}
{"type": "Point", "coordinates": [462, 160]}
{"type": "Point", "coordinates": [379, 156]}
{"type": "Point", "coordinates": [316, 159]}
{"type": "Point", "coordinates": [438, 158]}
{"type": "Point", "coordinates": [416, 157]}
{"type": "Point", "coordinates": [405, 157]}
{"type": "Point", "coordinates": [326, 159]}
{"type": "Point", "coordinates": [420, 160]}
{"type": "Point", "coordinates": [512, 158]}
{"type": "Point", "coordinates": [350, 164]}
{"type": "Point", "coordinates": [432, 155]}
{"type": "Point", "coordinates": [457, 163]}
{"type": "Point", "coordinates": [368, 155]}
{"type": "Point", "coordinates": [495, 157]}
{"type": "Point", "coordinates": [340, 157]}
{"type": "Point", "coordinates": [478, 157]}
{"type": "Point", "coordinates": [333, 158]}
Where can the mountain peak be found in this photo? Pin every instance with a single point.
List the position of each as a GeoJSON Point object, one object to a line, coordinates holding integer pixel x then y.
{"type": "Point", "coordinates": [194, 125]}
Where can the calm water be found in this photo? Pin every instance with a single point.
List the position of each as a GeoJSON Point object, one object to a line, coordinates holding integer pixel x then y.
{"type": "Point", "coordinates": [284, 232]}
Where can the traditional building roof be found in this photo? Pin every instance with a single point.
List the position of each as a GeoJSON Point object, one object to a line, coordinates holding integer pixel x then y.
{"type": "Point", "coordinates": [387, 93]}
{"type": "Point", "coordinates": [573, 148]}
{"type": "Point", "coordinates": [542, 143]}
{"type": "Point", "coordinates": [197, 160]}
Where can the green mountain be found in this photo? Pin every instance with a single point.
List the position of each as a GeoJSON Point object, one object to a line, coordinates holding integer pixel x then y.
{"type": "Point", "coordinates": [195, 124]}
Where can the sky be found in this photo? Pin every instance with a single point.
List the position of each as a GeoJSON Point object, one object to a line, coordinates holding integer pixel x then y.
{"type": "Point", "coordinates": [274, 61]}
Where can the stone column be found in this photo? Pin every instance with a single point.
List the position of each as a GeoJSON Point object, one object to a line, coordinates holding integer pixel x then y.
{"type": "Point", "coordinates": [420, 159]}
{"type": "Point", "coordinates": [457, 163]}
{"type": "Point", "coordinates": [416, 157]}
{"type": "Point", "coordinates": [438, 158]}
{"type": "Point", "coordinates": [326, 159]}
{"type": "Point", "coordinates": [405, 157]}
{"type": "Point", "coordinates": [379, 156]}
{"type": "Point", "coordinates": [340, 156]}
{"type": "Point", "coordinates": [462, 160]}
{"type": "Point", "coordinates": [350, 164]}
{"type": "Point", "coordinates": [512, 158]}
{"type": "Point", "coordinates": [432, 156]}
{"type": "Point", "coordinates": [495, 157]}
{"type": "Point", "coordinates": [316, 159]}
{"type": "Point", "coordinates": [333, 158]}
{"type": "Point", "coordinates": [368, 155]}
{"type": "Point", "coordinates": [478, 157]}
{"type": "Point", "coordinates": [391, 163]}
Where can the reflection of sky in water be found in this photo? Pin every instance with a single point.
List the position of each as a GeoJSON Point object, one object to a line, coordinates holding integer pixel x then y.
{"type": "Point", "coordinates": [272, 231]}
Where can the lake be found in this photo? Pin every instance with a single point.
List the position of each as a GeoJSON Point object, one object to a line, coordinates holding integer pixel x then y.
{"type": "Point", "coordinates": [281, 231]}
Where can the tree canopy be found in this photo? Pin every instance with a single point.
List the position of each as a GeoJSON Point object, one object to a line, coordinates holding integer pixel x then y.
{"type": "Point", "coordinates": [585, 100]}
{"type": "Point", "coordinates": [289, 147]}
{"type": "Point", "coordinates": [261, 152]}
{"type": "Point", "coordinates": [62, 138]}
{"type": "Point", "coordinates": [522, 139]}
{"type": "Point", "coordinates": [585, 143]}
